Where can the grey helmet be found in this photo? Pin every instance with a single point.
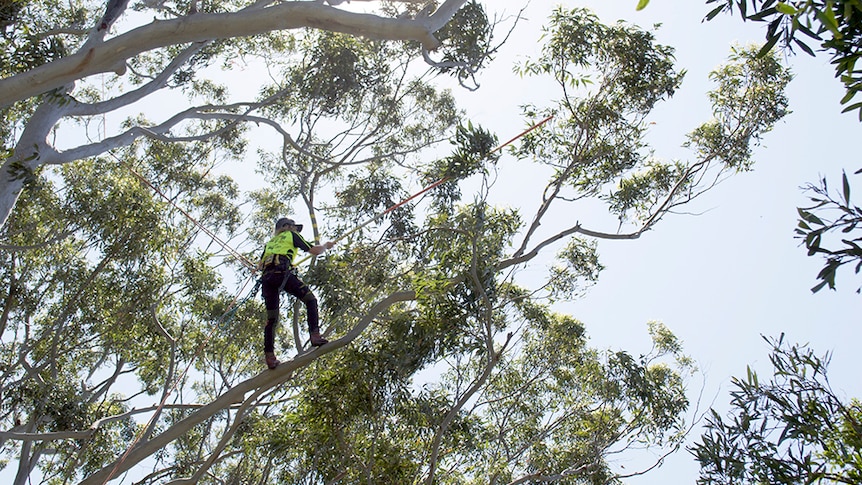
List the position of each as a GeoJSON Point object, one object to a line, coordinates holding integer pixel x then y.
{"type": "Point", "coordinates": [284, 221]}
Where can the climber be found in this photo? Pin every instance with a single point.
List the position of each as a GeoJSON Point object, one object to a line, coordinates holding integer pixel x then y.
{"type": "Point", "coordinates": [280, 274]}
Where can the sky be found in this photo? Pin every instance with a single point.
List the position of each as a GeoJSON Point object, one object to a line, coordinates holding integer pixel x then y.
{"type": "Point", "coordinates": [730, 271]}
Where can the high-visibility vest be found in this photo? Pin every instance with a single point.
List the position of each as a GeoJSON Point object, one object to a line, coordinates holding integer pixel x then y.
{"type": "Point", "coordinates": [282, 245]}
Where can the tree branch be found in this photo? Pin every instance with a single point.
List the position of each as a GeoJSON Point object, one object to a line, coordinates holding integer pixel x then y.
{"type": "Point", "coordinates": [111, 55]}
{"type": "Point", "coordinates": [265, 380]}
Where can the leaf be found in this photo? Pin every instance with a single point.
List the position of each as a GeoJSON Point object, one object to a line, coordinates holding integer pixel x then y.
{"type": "Point", "coordinates": [846, 188]}
{"type": "Point", "coordinates": [714, 12]}
{"type": "Point", "coordinates": [827, 18]}
{"type": "Point", "coordinates": [642, 4]}
{"type": "Point", "coordinates": [852, 107]}
{"type": "Point", "coordinates": [804, 47]}
{"type": "Point", "coordinates": [768, 46]}
{"type": "Point", "coordinates": [763, 14]}
{"type": "Point", "coordinates": [810, 33]}
{"type": "Point", "coordinates": [809, 217]}
{"type": "Point", "coordinates": [818, 287]}
{"type": "Point", "coordinates": [785, 8]}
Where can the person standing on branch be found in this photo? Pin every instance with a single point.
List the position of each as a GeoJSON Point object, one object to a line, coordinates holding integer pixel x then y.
{"type": "Point", "coordinates": [279, 274]}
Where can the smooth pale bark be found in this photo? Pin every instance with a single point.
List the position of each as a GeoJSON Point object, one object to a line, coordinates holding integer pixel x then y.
{"type": "Point", "coordinates": [111, 55]}
{"type": "Point", "coordinates": [265, 380]}
{"type": "Point", "coordinates": [32, 150]}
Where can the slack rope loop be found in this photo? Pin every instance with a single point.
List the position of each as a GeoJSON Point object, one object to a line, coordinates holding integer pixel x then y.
{"type": "Point", "coordinates": [225, 319]}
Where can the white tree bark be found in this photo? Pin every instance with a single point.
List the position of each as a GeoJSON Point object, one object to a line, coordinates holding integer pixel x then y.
{"type": "Point", "coordinates": [111, 55]}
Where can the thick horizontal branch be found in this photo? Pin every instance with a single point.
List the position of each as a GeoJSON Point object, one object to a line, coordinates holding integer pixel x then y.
{"type": "Point", "coordinates": [57, 435]}
{"type": "Point", "coordinates": [265, 380]}
{"type": "Point", "coordinates": [111, 55]}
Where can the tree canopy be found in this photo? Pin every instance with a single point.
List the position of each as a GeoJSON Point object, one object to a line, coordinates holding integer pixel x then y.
{"type": "Point", "coordinates": [832, 216]}
{"type": "Point", "coordinates": [57, 59]}
{"type": "Point", "coordinates": [112, 299]}
{"type": "Point", "coordinates": [836, 26]}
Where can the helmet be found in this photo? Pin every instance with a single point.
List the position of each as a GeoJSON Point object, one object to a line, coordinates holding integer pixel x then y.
{"type": "Point", "coordinates": [284, 221]}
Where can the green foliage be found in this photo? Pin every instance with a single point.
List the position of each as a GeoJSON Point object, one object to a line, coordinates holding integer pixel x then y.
{"type": "Point", "coordinates": [473, 147]}
{"type": "Point", "coordinates": [24, 44]}
{"type": "Point", "coordinates": [790, 429]}
{"type": "Point", "coordinates": [580, 266]}
{"type": "Point", "coordinates": [748, 101]}
{"type": "Point", "coordinates": [99, 278]}
{"type": "Point", "coordinates": [345, 65]}
{"type": "Point", "coordinates": [466, 42]}
{"type": "Point", "coordinates": [375, 114]}
{"type": "Point", "coordinates": [475, 380]}
{"type": "Point", "coordinates": [831, 215]}
{"type": "Point", "coordinates": [565, 402]}
{"type": "Point", "coordinates": [612, 77]}
{"type": "Point", "coordinates": [643, 191]}
{"type": "Point", "coordinates": [834, 25]}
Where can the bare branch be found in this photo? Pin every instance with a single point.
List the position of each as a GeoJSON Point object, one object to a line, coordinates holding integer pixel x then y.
{"type": "Point", "coordinates": [267, 379]}
{"type": "Point", "coordinates": [111, 55]}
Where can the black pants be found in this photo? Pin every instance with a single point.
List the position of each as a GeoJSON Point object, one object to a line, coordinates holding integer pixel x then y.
{"type": "Point", "coordinates": [271, 283]}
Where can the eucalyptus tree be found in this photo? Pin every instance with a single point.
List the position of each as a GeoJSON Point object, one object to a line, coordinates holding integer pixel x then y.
{"type": "Point", "coordinates": [832, 216]}
{"type": "Point", "coordinates": [832, 26]}
{"type": "Point", "coordinates": [445, 364]}
{"type": "Point", "coordinates": [103, 284]}
{"type": "Point", "coordinates": [520, 396]}
{"type": "Point", "coordinates": [77, 61]}
{"type": "Point", "coordinates": [791, 428]}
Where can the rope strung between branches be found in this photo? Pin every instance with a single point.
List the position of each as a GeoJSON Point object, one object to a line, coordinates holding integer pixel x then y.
{"type": "Point", "coordinates": [233, 252]}
{"type": "Point", "coordinates": [220, 324]}
{"type": "Point", "coordinates": [426, 189]}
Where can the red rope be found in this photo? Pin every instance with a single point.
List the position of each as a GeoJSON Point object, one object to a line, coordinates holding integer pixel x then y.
{"type": "Point", "coordinates": [435, 184]}
{"type": "Point", "coordinates": [236, 254]}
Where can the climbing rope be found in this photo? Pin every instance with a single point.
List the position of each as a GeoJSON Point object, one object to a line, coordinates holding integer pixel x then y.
{"type": "Point", "coordinates": [220, 324]}
{"type": "Point", "coordinates": [236, 254]}
{"type": "Point", "coordinates": [424, 190]}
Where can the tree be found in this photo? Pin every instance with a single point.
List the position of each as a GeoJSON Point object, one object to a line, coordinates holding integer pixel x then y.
{"type": "Point", "coordinates": [816, 223]}
{"type": "Point", "coordinates": [435, 287]}
{"type": "Point", "coordinates": [55, 52]}
{"type": "Point", "coordinates": [791, 429]}
{"type": "Point", "coordinates": [835, 25]}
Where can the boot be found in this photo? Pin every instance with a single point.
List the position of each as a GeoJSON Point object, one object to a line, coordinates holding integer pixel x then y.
{"type": "Point", "coordinates": [271, 361]}
{"type": "Point", "coordinates": [316, 339]}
